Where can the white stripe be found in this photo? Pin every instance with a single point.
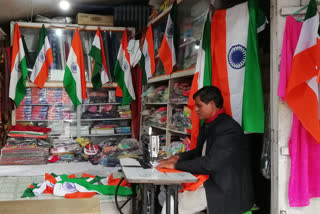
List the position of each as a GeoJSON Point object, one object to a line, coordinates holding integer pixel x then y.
{"type": "Point", "coordinates": [96, 42]}
{"type": "Point", "coordinates": [14, 77]}
{"type": "Point", "coordinates": [125, 66]}
{"type": "Point", "coordinates": [72, 61]}
{"type": "Point", "coordinates": [21, 50]}
{"type": "Point", "coordinates": [237, 21]}
{"type": "Point", "coordinates": [104, 76]}
{"type": "Point", "coordinates": [146, 55]}
{"type": "Point", "coordinates": [170, 40]}
{"type": "Point", "coordinates": [308, 35]}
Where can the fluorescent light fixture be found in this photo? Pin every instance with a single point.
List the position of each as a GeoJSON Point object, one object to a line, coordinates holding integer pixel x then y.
{"type": "Point", "coordinates": [64, 5]}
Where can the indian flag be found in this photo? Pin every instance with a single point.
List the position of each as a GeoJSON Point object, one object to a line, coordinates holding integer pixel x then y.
{"type": "Point", "coordinates": [122, 72]}
{"type": "Point", "coordinates": [148, 54]}
{"type": "Point", "coordinates": [303, 90]}
{"type": "Point", "coordinates": [44, 59]}
{"type": "Point", "coordinates": [100, 70]}
{"type": "Point", "coordinates": [167, 53]}
{"type": "Point", "coordinates": [74, 76]}
{"type": "Point", "coordinates": [235, 64]}
{"type": "Point", "coordinates": [19, 72]}
{"type": "Point", "coordinates": [202, 77]}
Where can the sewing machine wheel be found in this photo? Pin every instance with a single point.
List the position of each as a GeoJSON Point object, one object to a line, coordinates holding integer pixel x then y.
{"type": "Point", "coordinates": [132, 198]}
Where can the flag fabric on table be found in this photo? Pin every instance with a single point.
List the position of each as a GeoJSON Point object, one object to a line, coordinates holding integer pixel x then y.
{"type": "Point", "coordinates": [148, 56]}
{"type": "Point", "coordinates": [19, 71]}
{"type": "Point", "coordinates": [100, 70]}
{"type": "Point", "coordinates": [122, 72]}
{"type": "Point", "coordinates": [202, 77]}
{"type": "Point", "coordinates": [167, 53]}
{"type": "Point", "coordinates": [235, 64]}
{"type": "Point", "coordinates": [302, 93]}
{"type": "Point", "coordinates": [43, 61]}
{"type": "Point", "coordinates": [74, 76]}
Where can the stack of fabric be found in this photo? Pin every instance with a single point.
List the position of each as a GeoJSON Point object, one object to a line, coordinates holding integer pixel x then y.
{"type": "Point", "coordinates": [124, 111]}
{"type": "Point", "coordinates": [26, 145]}
{"type": "Point", "coordinates": [155, 117]}
{"type": "Point", "coordinates": [156, 95]}
{"type": "Point", "coordinates": [181, 92]}
{"type": "Point", "coordinates": [64, 150]}
{"type": "Point", "coordinates": [181, 119]}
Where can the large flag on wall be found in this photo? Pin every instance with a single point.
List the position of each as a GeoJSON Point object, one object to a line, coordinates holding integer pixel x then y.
{"type": "Point", "coordinates": [202, 77]}
{"type": "Point", "coordinates": [302, 93]}
{"type": "Point", "coordinates": [122, 72]}
{"type": "Point", "coordinates": [74, 76]}
{"type": "Point", "coordinates": [235, 63]}
{"type": "Point", "coordinates": [167, 53]}
{"type": "Point", "coordinates": [100, 70]}
{"type": "Point", "coordinates": [19, 72]}
{"type": "Point", "coordinates": [44, 59]}
{"type": "Point", "coordinates": [149, 66]}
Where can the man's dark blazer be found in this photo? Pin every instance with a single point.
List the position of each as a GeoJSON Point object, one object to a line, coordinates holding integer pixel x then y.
{"type": "Point", "coordinates": [229, 188]}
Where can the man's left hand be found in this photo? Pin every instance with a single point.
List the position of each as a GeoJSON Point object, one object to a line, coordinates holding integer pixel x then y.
{"type": "Point", "coordinates": [168, 165]}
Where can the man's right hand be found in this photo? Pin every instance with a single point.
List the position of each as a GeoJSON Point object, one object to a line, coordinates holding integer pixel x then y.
{"type": "Point", "coordinates": [172, 159]}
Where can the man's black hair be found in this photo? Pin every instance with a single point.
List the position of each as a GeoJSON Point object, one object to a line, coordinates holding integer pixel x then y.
{"type": "Point", "coordinates": [210, 93]}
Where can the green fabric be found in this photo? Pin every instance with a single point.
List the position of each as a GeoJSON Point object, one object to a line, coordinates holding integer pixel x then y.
{"type": "Point", "coordinates": [142, 66]}
{"type": "Point", "coordinates": [95, 53]}
{"type": "Point", "coordinates": [206, 50]}
{"type": "Point", "coordinates": [119, 76]}
{"type": "Point", "coordinates": [249, 212]}
{"type": "Point", "coordinates": [28, 192]}
{"type": "Point", "coordinates": [71, 86]}
{"type": "Point", "coordinates": [253, 106]}
{"type": "Point", "coordinates": [312, 10]}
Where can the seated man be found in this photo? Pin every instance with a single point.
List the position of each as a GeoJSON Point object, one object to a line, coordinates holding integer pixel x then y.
{"type": "Point", "coordinates": [222, 153]}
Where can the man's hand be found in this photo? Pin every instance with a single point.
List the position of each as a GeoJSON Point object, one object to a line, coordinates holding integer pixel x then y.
{"type": "Point", "coordinates": [168, 165]}
{"type": "Point", "coordinates": [172, 159]}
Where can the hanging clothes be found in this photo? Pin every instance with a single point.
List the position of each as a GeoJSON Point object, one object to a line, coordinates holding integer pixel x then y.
{"type": "Point", "coordinates": [303, 148]}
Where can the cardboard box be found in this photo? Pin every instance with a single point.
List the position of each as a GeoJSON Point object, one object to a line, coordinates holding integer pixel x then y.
{"type": "Point", "coordinates": [92, 19]}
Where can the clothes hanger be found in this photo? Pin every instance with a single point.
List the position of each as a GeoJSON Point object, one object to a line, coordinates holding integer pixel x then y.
{"type": "Point", "coordinates": [301, 9]}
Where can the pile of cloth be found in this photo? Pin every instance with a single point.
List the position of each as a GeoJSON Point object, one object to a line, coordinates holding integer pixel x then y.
{"type": "Point", "coordinates": [64, 150]}
{"type": "Point", "coordinates": [124, 111]}
{"type": "Point", "coordinates": [26, 145]}
{"type": "Point", "coordinates": [181, 92]}
{"type": "Point", "coordinates": [181, 119]}
{"type": "Point", "coordinates": [156, 95]}
{"type": "Point", "coordinates": [155, 117]}
{"type": "Point", "coordinates": [70, 186]}
{"type": "Point", "coordinates": [100, 111]}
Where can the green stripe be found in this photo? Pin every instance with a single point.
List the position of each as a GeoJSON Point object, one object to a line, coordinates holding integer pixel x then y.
{"type": "Point", "coordinates": [21, 84]}
{"type": "Point", "coordinates": [253, 107]}
{"type": "Point", "coordinates": [206, 46]}
{"type": "Point", "coordinates": [95, 53]}
{"type": "Point", "coordinates": [119, 77]}
{"type": "Point", "coordinates": [173, 15]}
{"type": "Point", "coordinates": [143, 68]}
{"type": "Point", "coordinates": [71, 86]}
{"type": "Point", "coordinates": [43, 34]}
{"type": "Point", "coordinates": [312, 10]}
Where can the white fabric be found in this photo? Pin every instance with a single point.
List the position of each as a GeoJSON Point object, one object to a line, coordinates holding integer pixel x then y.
{"type": "Point", "coordinates": [134, 52]}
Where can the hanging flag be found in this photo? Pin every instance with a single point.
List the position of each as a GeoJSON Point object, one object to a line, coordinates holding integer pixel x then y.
{"type": "Point", "coordinates": [148, 54]}
{"type": "Point", "coordinates": [302, 93]}
{"type": "Point", "coordinates": [19, 71]}
{"type": "Point", "coordinates": [100, 70]}
{"type": "Point", "coordinates": [74, 76]}
{"type": "Point", "coordinates": [167, 53]}
{"type": "Point", "coordinates": [44, 59]}
{"type": "Point", "coordinates": [122, 72]}
{"type": "Point", "coordinates": [235, 64]}
{"type": "Point", "coordinates": [201, 78]}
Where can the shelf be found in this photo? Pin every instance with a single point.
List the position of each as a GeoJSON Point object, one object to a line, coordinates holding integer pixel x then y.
{"type": "Point", "coordinates": [46, 104]}
{"type": "Point", "coordinates": [60, 85]}
{"type": "Point", "coordinates": [163, 13]}
{"type": "Point", "coordinates": [103, 135]}
{"type": "Point", "coordinates": [178, 103]}
{"type": "Point", "coordinates": [89, 120]}
{"type": "Point", "coordinates": [95, 104]}
{"type": "Point", "coordinates": [176, 74]}
{"type": "Point", "coordinates": [156, 103]}
{"type": "Point", "coordinates": [47, 120]}
{"type": "Point", "coordinates": [157, 127]}
{"type": "Point", "coordinates": [179, 132]}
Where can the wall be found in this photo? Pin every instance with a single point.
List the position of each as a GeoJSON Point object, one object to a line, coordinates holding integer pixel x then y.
{"type": "Point", "coordinates": [282, 118]}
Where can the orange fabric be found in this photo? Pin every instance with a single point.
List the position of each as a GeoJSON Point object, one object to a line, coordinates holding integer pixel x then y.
{"type": "Point", "coordinates": [194, 117]}
{"type": "Point", "coordinates": [80, 195]}
{"type": "Point", "coordinates": [48, 190]}
{"type": "Point", "coordinates": [15, 46]}
{"type": "Point", "coordinates": [196, 185]}
{"type": "Point", "coordinates": [44, 72]}
{"type": "Point", "coordinates": [218, 56]}
{"type": "Point", "coordinates": [50, 178]}
{"type": "Point", "coordinates": [84, 175]}
{"type": "Point", "coordinates": [149, 38]}
{"type": "Point", "coordinates": [318, 78]}
{"type": "Point", "coordinates": [72, 176]}
{"type": "Point", "coordinates": [165, 170]}
{"type": "Point", "coordinates": [31, 186]}
{"type": "Point", "coordinates": [115, 181]}
{"type": "Point", "coordinates": [119, 92]}
{"type": "Point", "coordinates": [300, 97]}
{"type": "Point", "coordinates": [165, 56]}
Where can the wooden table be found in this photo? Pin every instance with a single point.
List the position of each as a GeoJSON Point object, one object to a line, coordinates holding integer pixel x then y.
{"type": "Point", "coordinates": [148, 178]}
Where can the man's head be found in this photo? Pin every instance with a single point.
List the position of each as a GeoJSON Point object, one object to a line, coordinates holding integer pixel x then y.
{"type": "Point", "coordinates": [208, 102]}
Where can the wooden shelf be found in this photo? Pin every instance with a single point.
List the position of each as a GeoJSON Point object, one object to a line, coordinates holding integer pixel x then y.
{"type": "Point", "coordinates": [118, 118]}
{"type": "Point", "coordinates": [179, 132]}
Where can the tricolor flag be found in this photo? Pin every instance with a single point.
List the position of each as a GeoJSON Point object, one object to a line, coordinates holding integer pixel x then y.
{"type": "Point", "coordinates": [167, 53]}
{"type": "Point", "coordinates": [44, 59]}
{"type": "Point", "coordinates": [100, 70]}
{"type": "Point", "coordinates": [148, 54]}
{"type": "Point", "coordinates": [235, 64]}
{"type": "Point", "coordinates": [302, 93]}
{"type": "Point", "coordinates": [202, 77]}
{"type": "Point", "coordinates": [122, 72]}
{"type": "Point", "coordinates": [74, 76]}
{"type": "Point", "coordinates": [19, 72]}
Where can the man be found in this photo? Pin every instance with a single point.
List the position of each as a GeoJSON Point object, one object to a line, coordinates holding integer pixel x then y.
{"type": "Point", "coordinates": [222, 153]}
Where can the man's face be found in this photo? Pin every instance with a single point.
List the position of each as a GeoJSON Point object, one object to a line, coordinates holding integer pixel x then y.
{"type": "Point", "coordinates": [205, 111]}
